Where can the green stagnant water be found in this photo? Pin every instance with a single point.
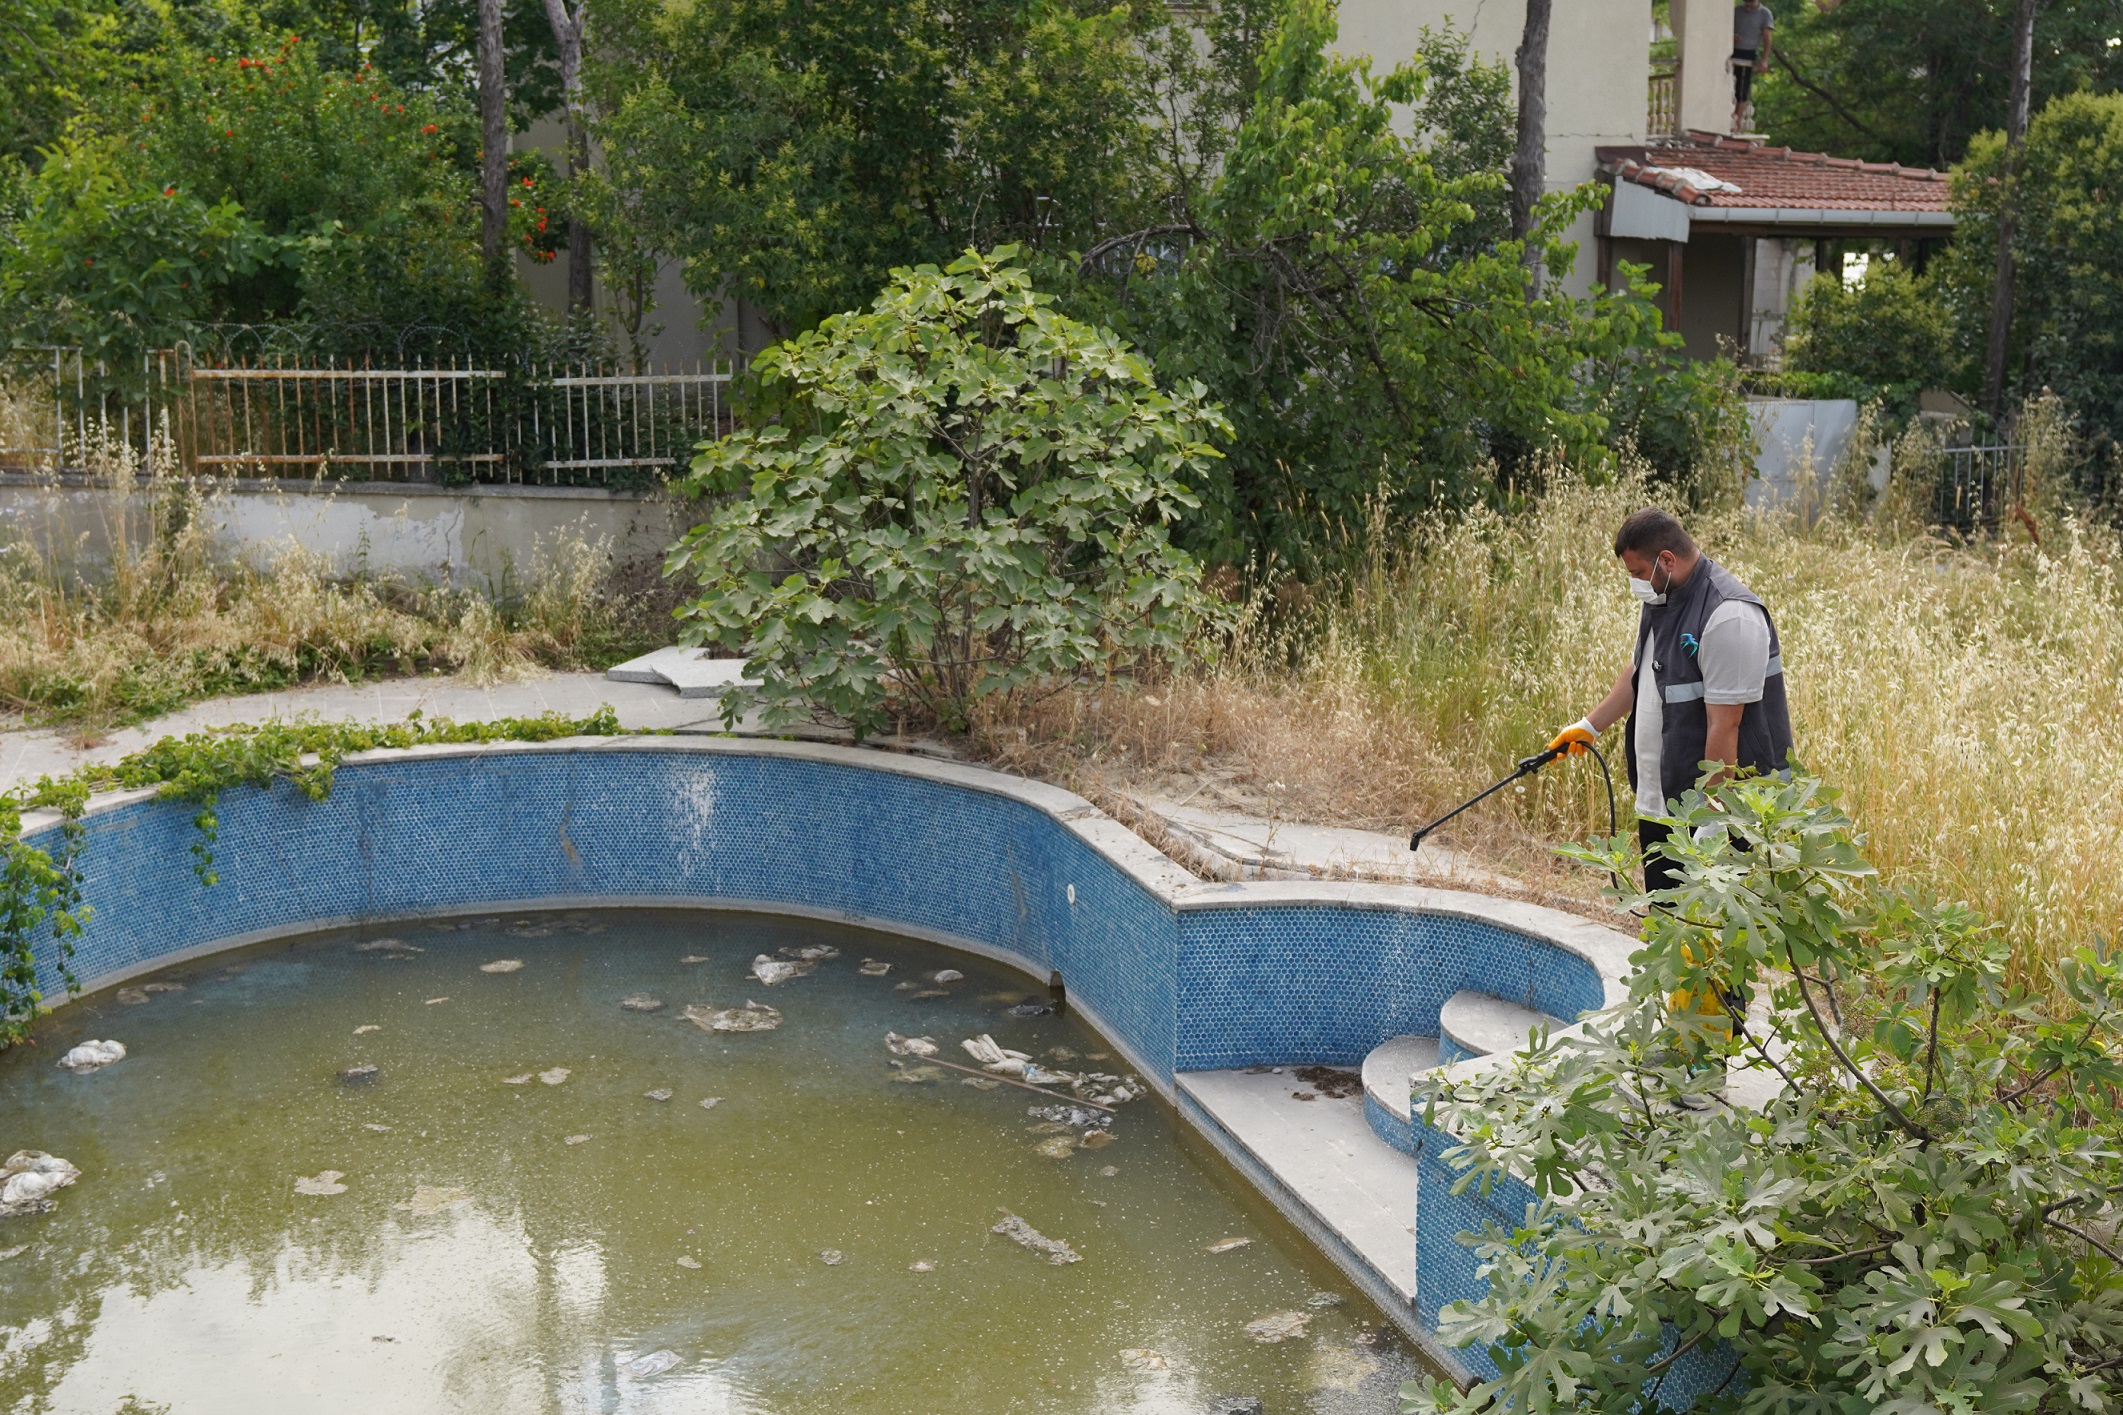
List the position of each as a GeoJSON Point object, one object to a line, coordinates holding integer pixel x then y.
{"type": "Point", "coordinates": [485, 1256]}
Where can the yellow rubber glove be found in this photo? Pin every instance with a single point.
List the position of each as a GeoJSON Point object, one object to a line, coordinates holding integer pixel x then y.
{"type": "Point", "coordinates": [1574, 739]}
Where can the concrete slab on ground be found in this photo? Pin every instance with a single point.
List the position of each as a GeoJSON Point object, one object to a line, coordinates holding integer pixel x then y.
{"type": "Point", "coordinates": [1323, 1156]}
{"type": "Point", "coordinates": [689, 670]}
{"type": "Point", "coordinates": [1280, 849]}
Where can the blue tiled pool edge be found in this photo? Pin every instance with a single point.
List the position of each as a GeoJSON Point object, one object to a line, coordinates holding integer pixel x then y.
{"type": "Point", "coordinates": [1181, 975]}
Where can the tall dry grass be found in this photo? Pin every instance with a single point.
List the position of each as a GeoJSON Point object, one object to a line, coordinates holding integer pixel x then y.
{"type": "Point", "coordinates": [1967, 699]}
{"type": "Point", "coordinates": [118, 602]}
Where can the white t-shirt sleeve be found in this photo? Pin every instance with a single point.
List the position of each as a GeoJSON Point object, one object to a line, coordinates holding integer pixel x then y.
{"type": "Point", "coordinates": [1735, 653]}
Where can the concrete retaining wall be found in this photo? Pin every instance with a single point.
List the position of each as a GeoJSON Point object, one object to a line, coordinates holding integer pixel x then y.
{"type": "Point", "coordinates": [479, 535]}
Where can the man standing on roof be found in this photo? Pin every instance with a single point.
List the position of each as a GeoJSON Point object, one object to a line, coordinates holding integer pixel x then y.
{"type": "Point", "coordinates": [1706, 683]}
{"type": "Point", "coordinates": [1752, 27]}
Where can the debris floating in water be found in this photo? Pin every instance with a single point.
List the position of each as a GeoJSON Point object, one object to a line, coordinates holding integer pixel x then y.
{"type": "Point", "coordinates": [831, 1257]}
{"type": "Point", "coordinates": [152, 988]}
{"type": "Point", "coordinates": [770, 971]}
{"type": "Point", "coordinates": [945, 975]}
{"type": "Point", "coordinates": [752, 1017]}
{"type": "Point", "coordinates": [916, 1075]}
{"type": "Point", "coordinates": [910, 1046]}
{"type": "Point", "coordinates": [433, 1000]}
{"type": "Point", "coordinates": [367, 1027]}
{"type": "Point", "coordinates": [1026, 1236]}
{"type": "Point", "coordinates": [871, 968]}
{"type": "Point", "coordinates": [1225, 1245]}
{"type": "Point", "coordinates": [92, 1056]}
{"type": "Point", "coordinates": [981, 1083]}
{"type": "Point", "coordinates": [1143, 1360]}
{"type": "Point", "coordinates": [685, 1261]}
{"type": "Point", "coordinates": [1058, 1147]}
{"type": "Point", "coordinates": [1097, 1139]}
{"type": "Point", "coordinates": [1109, 1171]}
{"type": "Point", "coordinates": [810, 952]}
{"type": "Point", "coordinates": [1029, 1009]}
{"type": "Point", "coordinates": [380, 1129]}
{"type": "Point", "coordinates": [322, 1183]}
{"type": "Point", "coordinates": [661, 1093]}
{"type": "Point", "coordinates": [555, 1075]}
{"type": "Point", "coordinates": [641, 1002]}
{"type": "Point", "coordinates": [1076, 1117]}
{"type": "Point", "coordinates": [502, 965]}
{"type": "Point", "coordinates": [132, 997]}
{"type": "Point", "coordinates": [1321, 1301]}
{"type": "Point", "coordinates": [360, 1075]}
{"type": "Point", "coordinates": [711, 1102]}
{"type": "Point", "coordinates": [29, 1179]}
{"type": "Point", "coordinates": [919, 1265]}
{"type": "Point", "coordinates": [523, 1080]}
{"type": "Point", "coordinates": [653, 1364]}
{"type": "Point", "coordinates": [577, 1140]}
{"type": "Point", "coordinates": [392, 945]}
{"type": "Point", "coordinates": [15, 1252]}
{"type": "Point", "coordinates": [694, 958]}
{"type": "Point", "coordinates": [1278, 1327]}
{"type": "Point", "coordinates": [432, 1199]}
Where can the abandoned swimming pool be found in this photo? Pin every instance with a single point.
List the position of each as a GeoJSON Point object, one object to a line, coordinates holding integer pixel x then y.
{"type": "Point", "coordinates": [1195, 987]}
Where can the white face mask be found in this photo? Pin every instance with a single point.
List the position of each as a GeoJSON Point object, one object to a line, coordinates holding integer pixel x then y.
{"type": "Point", "coordinates": [1644, 590]}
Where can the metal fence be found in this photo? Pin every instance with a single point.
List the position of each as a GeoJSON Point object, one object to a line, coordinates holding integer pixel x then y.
{"type": "Point", "coordinates": [537, 424]}
{"type": "Point", "coordinates": [1976, 486]}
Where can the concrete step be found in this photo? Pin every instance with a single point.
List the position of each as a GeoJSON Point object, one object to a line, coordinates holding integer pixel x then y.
{"type": "Point", "coordinates": [1476, 1024]}
{"type": "Point", "coordinates": [689, 670]}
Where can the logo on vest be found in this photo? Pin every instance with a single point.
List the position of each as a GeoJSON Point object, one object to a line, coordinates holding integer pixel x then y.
{"type": "Point", "coordinates": [1688, 642]}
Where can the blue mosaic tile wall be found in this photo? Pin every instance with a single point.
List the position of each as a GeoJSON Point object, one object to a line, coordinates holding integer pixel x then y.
{"type": "Point", "coordinates": [1317, 983]}
{"type": "Point", "coordinates": [1198, 988]}
{"type": "Point", "coordinates": [1448, 1270]}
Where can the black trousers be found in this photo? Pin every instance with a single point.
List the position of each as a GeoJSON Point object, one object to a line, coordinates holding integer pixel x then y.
{"type": "Point", "coordinates": [1743, 61]}
{"type": "Point", "coordinates": [1659, 872]}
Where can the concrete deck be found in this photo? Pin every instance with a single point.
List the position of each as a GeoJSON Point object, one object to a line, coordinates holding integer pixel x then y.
{"type": "Point", "coordinates": [1284, 849]}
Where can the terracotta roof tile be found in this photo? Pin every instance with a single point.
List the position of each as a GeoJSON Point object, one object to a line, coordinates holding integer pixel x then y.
{"type": "Point", "coordinates": [1774, 176]}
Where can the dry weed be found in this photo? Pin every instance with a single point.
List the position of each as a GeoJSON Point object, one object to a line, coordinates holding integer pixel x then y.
{"type": "Point", "coordinates": [1964, 698]}
{"type": "Point", "coordinates": [122, 605]}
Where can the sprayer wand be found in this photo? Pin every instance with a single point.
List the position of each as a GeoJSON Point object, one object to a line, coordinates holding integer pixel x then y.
{"type": "Point", "coordinates": [1527, 766]}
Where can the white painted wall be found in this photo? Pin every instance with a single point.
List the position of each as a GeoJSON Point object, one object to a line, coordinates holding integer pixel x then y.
{"type": "Point", "coordinates": [1702, 82]}
{"type": "Point", "coordinates": [1599, 72]}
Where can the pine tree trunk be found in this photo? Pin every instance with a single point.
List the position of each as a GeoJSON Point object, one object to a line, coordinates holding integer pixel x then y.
{"type": "Point", "coordinates": [494, 142]}
{"type": "Point", "coordinates": [1999, 346]}
{"type": "Point", "coordinates": [1529, 161]}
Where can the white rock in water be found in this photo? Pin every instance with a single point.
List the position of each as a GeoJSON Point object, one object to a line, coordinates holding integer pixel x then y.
{"type": "Point", "coordinates": [945, 975]}
{"type": "Point", "coordinates": [1054, 1250]}
{"type": "Point", "coordinates": [30, 1178]}
{"type": "Point", "coordinates": [91, 1055]}
{"type": "Point", "coordinates": [770, 971]}
{"type": "Point", "coordinates": [910, 1046]}
{"type": "Point", "coordinates": [502, 965]}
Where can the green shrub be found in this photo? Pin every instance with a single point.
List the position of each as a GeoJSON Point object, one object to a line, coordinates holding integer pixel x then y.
{"type": "Point", "coordinates": [967, 496]}
{"type": "Point", "coordinates": [1918, 1217]}
{"type": "Point", "coordinates": [1891, 332]}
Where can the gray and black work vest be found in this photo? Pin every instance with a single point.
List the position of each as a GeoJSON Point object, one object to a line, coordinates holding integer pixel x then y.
{"type": "Point", "coordinates": [1672, 633]}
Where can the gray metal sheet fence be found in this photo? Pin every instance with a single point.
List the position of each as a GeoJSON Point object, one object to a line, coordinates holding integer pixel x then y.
{"type": "Point", "coordinates": [537, 424]}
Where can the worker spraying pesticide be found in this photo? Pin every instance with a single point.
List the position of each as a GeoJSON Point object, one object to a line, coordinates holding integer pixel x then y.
{"type": "Point", "coordinates": [1703, 693]}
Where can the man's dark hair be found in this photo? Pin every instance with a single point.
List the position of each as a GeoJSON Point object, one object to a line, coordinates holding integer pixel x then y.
{"type": "Point", "coordinates": [1649, 531]}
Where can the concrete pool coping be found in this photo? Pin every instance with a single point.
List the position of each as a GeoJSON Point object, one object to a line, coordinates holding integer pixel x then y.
{"type": "Point", "coordinates": [1336, 1182]}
